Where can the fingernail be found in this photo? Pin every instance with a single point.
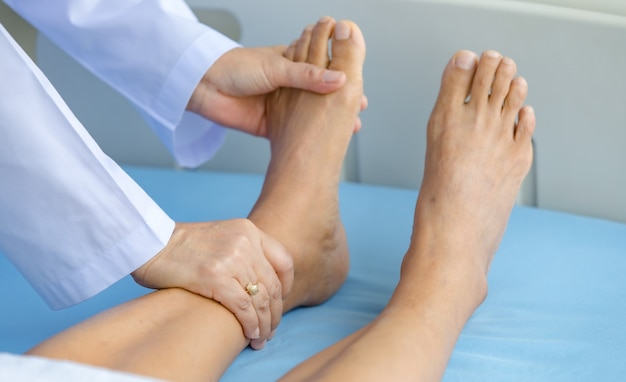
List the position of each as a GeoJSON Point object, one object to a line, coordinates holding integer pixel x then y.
{"type": "Point", "coordinates": [272, 334]}
{"type": "Point", "coordinates": [465, 60]}
{"type": "Point", "coordinates": [256, 334]}
{"type": "Point", "coordinates": [342, 31]}
{"type": "Point", "coordinates": [332, 76]}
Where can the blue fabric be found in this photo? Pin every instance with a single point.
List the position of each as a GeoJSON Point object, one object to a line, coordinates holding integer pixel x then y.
{"type": "Point", "coordinates": [556, 309]}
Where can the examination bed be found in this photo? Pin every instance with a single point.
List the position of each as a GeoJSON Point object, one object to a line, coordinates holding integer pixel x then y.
{"type": "Point", "coordinates": [556, 309]}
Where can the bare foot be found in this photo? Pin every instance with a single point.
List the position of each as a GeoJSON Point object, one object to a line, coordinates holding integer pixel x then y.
{"type": "Point", "coordinates": [478, 152]}
{"type": "Point", "coordinates": [309, 135]}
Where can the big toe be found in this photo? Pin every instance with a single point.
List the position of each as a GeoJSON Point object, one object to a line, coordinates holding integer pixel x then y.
{"type": "Point", "coordinates": [348, 49]}
{"type": "Point", "coordinates": [456, 82]}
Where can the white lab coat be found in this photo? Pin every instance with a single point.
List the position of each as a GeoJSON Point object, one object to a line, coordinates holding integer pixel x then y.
{"type": "Point", "coordinates": [16, 368]}
{"type": "Point", "coordinates": [71, 220]}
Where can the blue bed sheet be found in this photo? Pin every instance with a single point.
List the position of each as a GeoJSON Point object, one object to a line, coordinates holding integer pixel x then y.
{"type": "Point", "coordinates": [556, 309]}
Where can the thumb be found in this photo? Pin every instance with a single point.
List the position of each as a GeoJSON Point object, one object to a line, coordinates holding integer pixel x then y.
{"type": "Point", "coordinates": [310, 77]}
{"type": "Point", "coordinates": [280, 260]}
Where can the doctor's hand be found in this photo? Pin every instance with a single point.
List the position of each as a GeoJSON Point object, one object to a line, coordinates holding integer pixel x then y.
{"type": "Point", "coordinates": [232, 262]}
{"type": "Point", "coordinates": [233, 91]}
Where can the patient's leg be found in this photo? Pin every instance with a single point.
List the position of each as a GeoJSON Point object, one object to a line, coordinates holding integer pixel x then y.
{"type": "Point", "coordinates": [169, 334]}
{"type": "Point", "coordinates": [176, 335]}
{"type": "Point", "coordinates": [477, 156]}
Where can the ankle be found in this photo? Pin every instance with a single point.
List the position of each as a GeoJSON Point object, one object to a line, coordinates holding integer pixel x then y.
{"type": "Point", "coordinates": [456, 273]}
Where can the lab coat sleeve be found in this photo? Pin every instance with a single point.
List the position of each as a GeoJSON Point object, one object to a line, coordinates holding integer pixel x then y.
{"type": "Point", "coordinates": [153, 52]}
{"type": "Point", "coordinates": [71, 220]}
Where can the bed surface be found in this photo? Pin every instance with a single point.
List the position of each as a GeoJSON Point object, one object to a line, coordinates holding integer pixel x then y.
{"type": "Point", "coordinates": [556, 309]}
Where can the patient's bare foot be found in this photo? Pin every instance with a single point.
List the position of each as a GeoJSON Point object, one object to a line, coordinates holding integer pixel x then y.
{"type": "Point", "coordinates": [478, 152]}
{"type": "Point", "coordinates": [309, 135]}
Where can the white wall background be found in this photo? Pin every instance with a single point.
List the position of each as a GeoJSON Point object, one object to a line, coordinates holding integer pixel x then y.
{"type": "Point", "coordinates": [571, 51]}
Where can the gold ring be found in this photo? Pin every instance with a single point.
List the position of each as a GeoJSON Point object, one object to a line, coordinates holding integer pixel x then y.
{"type": "Point", "coordinates": [252, 289]}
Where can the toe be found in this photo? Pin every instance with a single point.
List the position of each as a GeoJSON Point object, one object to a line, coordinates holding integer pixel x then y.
{"type": "Point", "coordinates": [525, 125]}
{"type": "Point", "coordinates": [302, 46]}
{"type": "Point", "coordinates": [318, 47]}
{"type": "Point", "coordinates": [348, 49]}
{"type": "Point", "coordinates": [515, 98]}
{"type": "Point", "coordinates": [290, 52]}
{"type": "Point", "coordinates": [502, 82]}
{"type": "Point", "coordinates": [484, 78]}
{"type": "Point", "coordinates": [457, 78]}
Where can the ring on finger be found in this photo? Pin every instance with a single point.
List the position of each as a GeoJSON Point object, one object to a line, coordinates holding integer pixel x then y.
{"type": "Point", "coordinates": [252, 289]}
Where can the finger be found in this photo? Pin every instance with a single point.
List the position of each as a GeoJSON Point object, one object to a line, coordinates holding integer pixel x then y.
{"type": "Point", "coordinates": [261, 303]}
{"type": "Point", "coordinates": [261, 275]}
{"type": "Point", "coordinates": [290, 74]}
{"type": "Point", "coordinates": [293, 72]}
{"type": "Point", "coordinates": [235, 298]}
{"type": "Point", "coordinates": [258, 344]}
{"type": "Point", "coordinates": [280, 260]}
{"type": "Point", "coordinates": [305, 76]}
{"type": "Point", "coordinates": [272, 284]}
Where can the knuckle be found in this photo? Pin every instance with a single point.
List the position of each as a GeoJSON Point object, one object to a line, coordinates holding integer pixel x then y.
{"type": "Point", "coordinates": [275, 290]}
{"type": "Point", "coordinates": [244, 238]}
{"type": "Point", "coordinates": [484, 81]}
{"type": "Point", "coordinates": [263, 305]}
{"type": "Point", "coordinates": [210, 270]}
{"type": "Point", "coordinates": [245, 225]}
{"type": "Point", "coordinates": [243, 242]}
{"type": "Point", "coordinates": [286, 265]}
{"type": "Point", "coordinates": [243, 303]}
{"type": "Point", "coordinates": [310, 72]}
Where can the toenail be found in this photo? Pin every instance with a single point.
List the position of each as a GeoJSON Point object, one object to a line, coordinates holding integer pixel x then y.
{"type": "Point", "coordinates": [309, 27]}
{"type": "Point", "coordinates": [493, 54]}
{"type": "Point", "coordinates": [465, 60]}
{"type": "Point", "coordinates": [507, 61]}
{"type": "Point", "coordinates": [342, 31]}
{"type": "Point", "coordinates": [324, 19]}
{"type": "Point", "coordinates": [521, 82]}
